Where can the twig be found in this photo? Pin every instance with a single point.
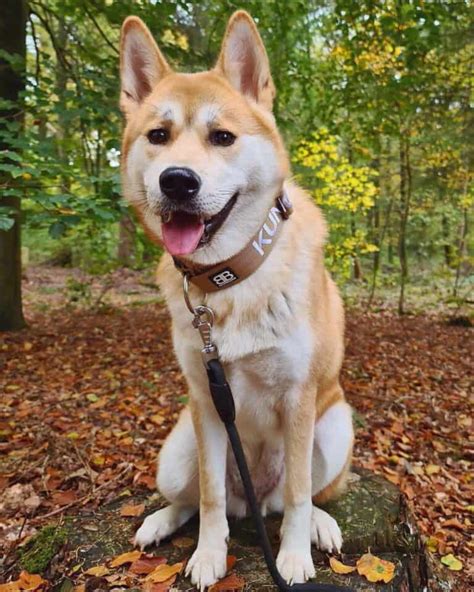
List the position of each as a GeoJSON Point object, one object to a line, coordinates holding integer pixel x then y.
{"type": "Point", "coordinates": [85, 498]}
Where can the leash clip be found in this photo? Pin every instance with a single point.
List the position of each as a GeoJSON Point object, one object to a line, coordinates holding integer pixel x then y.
{"type": "Point", "coordinates": [203, 321]}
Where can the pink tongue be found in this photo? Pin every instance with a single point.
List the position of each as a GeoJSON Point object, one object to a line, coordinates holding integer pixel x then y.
{"type": "Point", "coordinates": [182, 234]}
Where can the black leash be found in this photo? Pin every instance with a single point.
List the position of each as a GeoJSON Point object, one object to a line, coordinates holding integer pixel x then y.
{"type": "Point", "coordinates": [224, 403]}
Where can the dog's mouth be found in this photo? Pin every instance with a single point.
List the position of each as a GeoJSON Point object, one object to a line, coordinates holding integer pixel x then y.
{"type": "Point", "coordinates": [183, 232]}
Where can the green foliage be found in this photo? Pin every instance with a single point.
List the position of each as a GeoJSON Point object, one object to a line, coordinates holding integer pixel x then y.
{"type": "Point", "coordinates": [373, 99]}
{"type": "Point", "coordinates": [38, 552]}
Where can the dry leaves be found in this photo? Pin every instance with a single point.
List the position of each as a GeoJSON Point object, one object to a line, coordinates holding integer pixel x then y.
{"type": "Point", "coordinates": [124, 558]}
{"type": "Point", "coordinates": [97, 570]}
{"type": "Point", "coordinates": [164, 572]}
{"type": "Point", "coordinates": [99, 386]}
{"type": "Point", "coordinates": [340, 568]}
{"type": "Point", "coordinates": [375, 569]}
{"type": "Point", "coordinates": [230, 583]}
{"type": "Point", "coordinates": [452, 562]}
{"type": "Point", "coordinates": [26, 581]}
{"type": "Point", "coordinates": [145, 565]}
{"type": "Point", "coordinates": [131, 510]}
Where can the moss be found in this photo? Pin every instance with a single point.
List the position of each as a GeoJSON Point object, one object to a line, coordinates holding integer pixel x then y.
{"type": "Point", "coordinates": [38, 552]}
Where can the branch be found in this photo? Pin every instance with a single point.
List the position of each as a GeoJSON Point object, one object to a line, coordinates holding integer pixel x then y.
{"type": "Point", "coordinates": [101, 32]}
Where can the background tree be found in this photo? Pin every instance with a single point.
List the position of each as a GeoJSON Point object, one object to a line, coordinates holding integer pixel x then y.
{"type": "Point", "coordinates": [12, 80]}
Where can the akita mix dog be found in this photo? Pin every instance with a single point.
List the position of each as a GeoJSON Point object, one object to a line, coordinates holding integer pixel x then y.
{"type": "Point", "coordinates": [207, 172]}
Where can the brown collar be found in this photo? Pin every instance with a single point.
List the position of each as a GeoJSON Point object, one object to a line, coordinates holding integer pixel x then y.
{"type": "Point", "coordinates": [216, 277]}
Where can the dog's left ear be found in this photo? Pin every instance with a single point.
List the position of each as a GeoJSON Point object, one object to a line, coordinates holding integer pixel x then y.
{"type": "Point", "coordinates": [244, 62]}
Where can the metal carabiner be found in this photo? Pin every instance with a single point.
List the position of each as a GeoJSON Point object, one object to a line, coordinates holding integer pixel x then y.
{"type": "Point", "coordinates": [203, 321]}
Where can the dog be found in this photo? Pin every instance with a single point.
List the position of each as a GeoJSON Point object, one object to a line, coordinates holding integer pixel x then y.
{"type": "Point", "coordinates": [205, 168]}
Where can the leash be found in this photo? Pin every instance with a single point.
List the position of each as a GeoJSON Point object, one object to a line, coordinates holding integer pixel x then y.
{"type": "Point", "coordinates": [203, 320]}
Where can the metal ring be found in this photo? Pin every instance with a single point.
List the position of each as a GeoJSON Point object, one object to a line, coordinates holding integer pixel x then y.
{"type": "Point", "coordinates": [202, 310]}
{"type": "Point", "coordinates": [186, 294]}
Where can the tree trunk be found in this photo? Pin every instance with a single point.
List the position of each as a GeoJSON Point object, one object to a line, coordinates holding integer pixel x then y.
{"type": "Point", "coordinates": [448, 258]}
{"type": "Point", "coordinates": [462, 251]}
{"type": "Point", "coordinates": [405, 194]}
{"type": "Point", "coordinates": [126, 245]}
{"type": "Point", "coordinates": [12, 40]}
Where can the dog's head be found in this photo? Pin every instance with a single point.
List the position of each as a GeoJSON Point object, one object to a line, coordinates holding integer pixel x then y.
{"type": "Point", "coordinates": [202, 160]}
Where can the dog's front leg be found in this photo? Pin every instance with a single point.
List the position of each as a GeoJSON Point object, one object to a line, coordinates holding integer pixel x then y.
{"type": "Point", "coordinates": [208, 563]}
{"type": "Point", "coordinates": [294, 560]}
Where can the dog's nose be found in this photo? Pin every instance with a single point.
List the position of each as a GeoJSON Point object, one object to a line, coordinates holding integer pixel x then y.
{"type": "Point", "coordinates": [179, 183]}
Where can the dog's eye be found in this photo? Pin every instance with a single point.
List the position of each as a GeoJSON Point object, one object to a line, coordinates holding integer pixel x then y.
{"type": "Point", "coordinates": [158, 136]}
{"type": "Point", "coordinates": [221, 138]}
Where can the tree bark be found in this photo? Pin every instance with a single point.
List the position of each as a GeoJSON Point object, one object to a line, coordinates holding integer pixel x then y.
{"type": "Point", "coordinates": [126, 244]}
{"type": "Point", "coordinates": [405, 194]}
{"type": "Point", "coordinates": [13, 18]}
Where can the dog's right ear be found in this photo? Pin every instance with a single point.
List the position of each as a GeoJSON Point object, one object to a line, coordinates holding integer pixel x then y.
{"type": "Point", "coordinates": [142, 64]}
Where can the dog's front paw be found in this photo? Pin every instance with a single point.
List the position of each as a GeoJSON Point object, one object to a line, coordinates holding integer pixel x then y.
{"type": "Point", "coordinates": [206, 566]}
{"type": "Point", "coordinates": [295, 565]}
{"type": "Point", "coordinates": [325, 532]}
{"type": "Point", "coordinates": [160, 525]}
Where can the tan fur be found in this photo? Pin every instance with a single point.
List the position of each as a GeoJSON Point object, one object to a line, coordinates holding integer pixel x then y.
{"type": "Point", "coordinates": [289, 306]}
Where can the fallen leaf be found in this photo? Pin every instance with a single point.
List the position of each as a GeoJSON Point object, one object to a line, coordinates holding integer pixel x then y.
{"type": "Point", "coordinates": [63, 498]}
{"type": "Point", "coordinates": [432, 469]}
{"type": "Point", "coordinates": [452, 562]}
{"type": "Point", "coordinates": [231, 560]}
{"type": "Point", "coordinates": [159, 586]}
{"type": "Point", "coordinates": [124, 558]}
{"type": "Point", "coordinates": [164, 572]}
{"type": "Point", "coordinates": [146, 565]}
{"type": "Point", "coordinates": [98, 570]}
{"type": "Point", "coordinates": [375, 569]}
{"type": "Point", "coordinates": [29, 581]}
{"type": "Point", "coordinates": [130, 510]}
{"type": "Point", "coordinates": [339, 567]}
{"type": "Point", "coordinates": [432, 544]}
{"type": "Point", "coordinates": [453, 523]}
{"type": "Point", "coordinates": [10, 587]}
{"type": "Point", "coordinates": [183, 542]}
{"type": "Point", "coordinates": [230, 583]}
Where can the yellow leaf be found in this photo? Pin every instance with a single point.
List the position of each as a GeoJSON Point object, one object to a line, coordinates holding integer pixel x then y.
{"type": "Point", "coordinates": [98, 570]}
{"type": "Point", "coordinates": [124, 558]}
{"type": "Point", "coordinates": [340, 568]}
{"type": "Point", "coordinates": [164, 572]}
{"type": "Point", "coordinates": [432, 544]}
{"type": "Point", "coordinates": [452, 562]}
{"type": "Point", "coordinates": [432, 469]}
{"type": "Point", "coordinates": [375, 569]}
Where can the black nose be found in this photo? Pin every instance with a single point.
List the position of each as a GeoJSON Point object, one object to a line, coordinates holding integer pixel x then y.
{"type": "Point", "coordinates": [179, 183]}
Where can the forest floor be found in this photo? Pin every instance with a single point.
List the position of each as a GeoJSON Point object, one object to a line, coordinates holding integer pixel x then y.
{"type": "Point", "coordinates": [91, 388]}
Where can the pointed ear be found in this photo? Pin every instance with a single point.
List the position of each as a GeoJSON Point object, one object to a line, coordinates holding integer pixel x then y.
{"type": "Point", "coordinates": [244, 62]}
{"type": "Point", "coordinates": [142, 64]}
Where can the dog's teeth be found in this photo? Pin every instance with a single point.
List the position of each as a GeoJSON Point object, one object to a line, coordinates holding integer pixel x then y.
{"type": "Point", "coordinates": [165, 218]}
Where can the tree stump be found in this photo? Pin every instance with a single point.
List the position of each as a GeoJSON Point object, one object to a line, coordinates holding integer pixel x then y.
{"type": "Point", "coordinates": [372, 514]}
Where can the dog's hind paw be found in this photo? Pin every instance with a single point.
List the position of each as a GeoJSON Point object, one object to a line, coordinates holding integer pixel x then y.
{"type": "Point", "coordinates": [206, 566]}
{"type": "Point", "coordinates": [162, 524]}
{"type": "Point", "coordinates": [295, 566]}
{"type": "Point", "coordinates": [325, 532]}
